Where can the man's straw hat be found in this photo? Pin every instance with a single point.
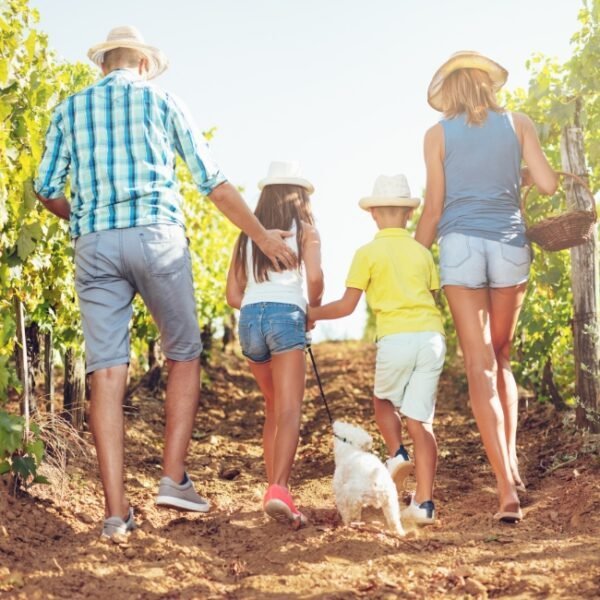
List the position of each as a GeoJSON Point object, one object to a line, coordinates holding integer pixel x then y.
{"type": "Point", "coordinates": [390, 191]}
{"type": "Point", "coordinates": [127, 36]}
{"type": "Point", "coordinates": [465, 59]}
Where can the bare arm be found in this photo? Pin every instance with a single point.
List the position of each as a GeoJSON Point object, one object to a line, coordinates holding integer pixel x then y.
{"type": "Point", "coordinates": [229, 201]}
{"type": "Point", "coordinates": [58, 206]}
{"type": "Point", "coordinates": [435, 187]}
{"type": "Point", "coordinates": [539, 171]}
{"type": "Point", "coordinates": [234, 291]}
{"type": "Point", "coordinates": [311, 253]}
{"type": "Point", "coordinates": [340, 308]}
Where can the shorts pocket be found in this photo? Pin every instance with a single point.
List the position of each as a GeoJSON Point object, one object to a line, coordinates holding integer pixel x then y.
{"type": "Point", "coordinates": [86, 257]}
{"type": "Point", "coordinates": [454, 250]}
{"type": "Point", "coordinates": [515, 255]}
{"type": "Point", "coordinates": [164, 257]}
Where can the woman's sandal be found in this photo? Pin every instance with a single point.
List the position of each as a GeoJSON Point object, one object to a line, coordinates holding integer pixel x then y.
{"type": "Point", "coordinates": [509, 516]}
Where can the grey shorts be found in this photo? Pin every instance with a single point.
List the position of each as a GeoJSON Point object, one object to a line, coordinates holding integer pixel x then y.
{"type": "Point", "coordinates": [475, 262]}
{"type": "Point", "coordinates": [111, 267]}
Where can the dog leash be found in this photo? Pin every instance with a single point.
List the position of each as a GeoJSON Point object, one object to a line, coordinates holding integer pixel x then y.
{"type": "Point", "coordinates": [318, 378]}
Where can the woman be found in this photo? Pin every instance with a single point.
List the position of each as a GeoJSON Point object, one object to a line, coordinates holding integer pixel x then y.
{"type": "Point", "coordinates": [472, 203]}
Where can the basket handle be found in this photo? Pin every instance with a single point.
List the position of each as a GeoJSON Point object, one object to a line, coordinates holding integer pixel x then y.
{"type": "Point", "coordinates": [576, 178]}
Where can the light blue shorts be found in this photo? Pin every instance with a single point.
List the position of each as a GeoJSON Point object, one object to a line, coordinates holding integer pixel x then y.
{"type": "Point", "coordinates": [268, 328]}
{"type": "Point", "coordinates": [407, 370]}
{"type": "Point", "coordinates": [475, 262]}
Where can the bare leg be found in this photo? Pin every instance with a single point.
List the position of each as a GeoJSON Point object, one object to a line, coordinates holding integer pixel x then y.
{"type": "Point", "coordinates": [505, 306]}
{"type": "Point", "coordinates": [107, 424]}
{"type": "Point", "coordinates": [264, 377]}
{"type": "Point", "coordinates": [470, 311]}
{"type": "Point", "coordinates": [183, 395]}
{"type": "Point", "coordinates": [425, 458]}
{"type": "Point", "coordinates": [289, 369]}
{"type": "Point", "coordinates": [389, 423]}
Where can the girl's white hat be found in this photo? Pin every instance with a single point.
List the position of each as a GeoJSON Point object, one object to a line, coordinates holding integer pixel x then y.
{"type": "Point", "coordinates": [465, 59]}
{"type": "Point", "coordinates": [127, 36]}
{"type": "Point", "coordinates": [285, 172]}
{"type": "Point", "coordinates": [390, 191]}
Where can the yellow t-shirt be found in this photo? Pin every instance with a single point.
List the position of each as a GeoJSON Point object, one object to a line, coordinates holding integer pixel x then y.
{"type": "Point", "coordinates": [397, 274]}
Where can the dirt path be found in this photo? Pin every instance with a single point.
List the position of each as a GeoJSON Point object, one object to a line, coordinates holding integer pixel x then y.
{"type": "Point", "coordinates": [51, 550]}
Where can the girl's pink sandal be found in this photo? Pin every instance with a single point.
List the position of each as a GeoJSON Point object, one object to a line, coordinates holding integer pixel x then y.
{"type": "Point", "coordinates": [278, 504]}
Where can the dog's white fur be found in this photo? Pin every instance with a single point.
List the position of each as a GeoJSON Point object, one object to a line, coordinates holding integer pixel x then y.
{"type": "Point", "coordinates": [361, 479]}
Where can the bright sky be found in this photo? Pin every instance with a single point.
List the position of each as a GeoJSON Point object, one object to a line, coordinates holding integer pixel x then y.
{"type": "Point", "coordinates": [339, 85]}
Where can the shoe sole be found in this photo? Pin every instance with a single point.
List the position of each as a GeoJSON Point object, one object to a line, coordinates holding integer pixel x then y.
{"type": "Point", "coordinates": [280, 511]}
{"type": "Point", "coordinates": [401, 473]}
{"type": "Point", "coordinates": [182, 504]}
{"type": "Point", "coordinates": [508, 517]}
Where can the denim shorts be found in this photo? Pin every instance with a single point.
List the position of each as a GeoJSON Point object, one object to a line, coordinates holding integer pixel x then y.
{"type": "Point", "coordinates": [475, 262]}
{"type": "Point", "coordinates": [268, 328]}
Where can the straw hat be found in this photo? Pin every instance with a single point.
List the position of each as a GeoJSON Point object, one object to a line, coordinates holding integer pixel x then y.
{"type": "Point", "coordinates": [390, 191]}
{"type": "Point", "coordinates": [285, 172]}
{"type": "Point", "coordinates": [127, 36]}
{"type": "Point", "coordinates": [465, 59]}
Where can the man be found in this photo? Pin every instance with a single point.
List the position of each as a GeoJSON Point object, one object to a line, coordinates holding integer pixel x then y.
{"type": "Point", "coordinates": [117, 141]}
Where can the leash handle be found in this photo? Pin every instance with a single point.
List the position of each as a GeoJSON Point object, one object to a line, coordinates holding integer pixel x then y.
{"type": "Point", "coordinates": [318, 378]}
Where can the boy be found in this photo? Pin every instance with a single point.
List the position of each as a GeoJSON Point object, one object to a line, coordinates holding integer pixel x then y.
{"type": "Point", "coordinates": [398, 275]}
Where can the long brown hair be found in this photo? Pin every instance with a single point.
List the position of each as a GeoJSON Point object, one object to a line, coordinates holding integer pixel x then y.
{"type": "Point", "coordinates": [469, 91]}
{"type": "Point", "coordinates": [278, 207]}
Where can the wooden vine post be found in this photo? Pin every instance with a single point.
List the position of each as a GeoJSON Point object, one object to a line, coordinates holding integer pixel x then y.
{"type": "Point", "coordinates": [23, 361]}
{"type": "Point", "coordinates": [586, 289]}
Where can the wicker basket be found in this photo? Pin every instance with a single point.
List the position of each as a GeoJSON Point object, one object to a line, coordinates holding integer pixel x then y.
{"type": "Point", "coordinates": [570, 229]}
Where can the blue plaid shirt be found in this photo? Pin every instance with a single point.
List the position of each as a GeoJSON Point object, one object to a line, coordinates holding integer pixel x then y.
{"type": "Point", "coordinates": [117, 139]}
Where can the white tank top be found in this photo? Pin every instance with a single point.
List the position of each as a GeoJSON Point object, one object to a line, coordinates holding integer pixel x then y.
{"type": "Point", "coordinates": [286, 287]}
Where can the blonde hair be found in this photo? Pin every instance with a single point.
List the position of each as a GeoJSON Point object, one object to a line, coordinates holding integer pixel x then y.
{"type": "Point", "coordinates": [469, 91]}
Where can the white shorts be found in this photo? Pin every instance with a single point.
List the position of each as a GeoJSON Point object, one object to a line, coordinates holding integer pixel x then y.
{"type": "Point", "coordinates": [407, 370]}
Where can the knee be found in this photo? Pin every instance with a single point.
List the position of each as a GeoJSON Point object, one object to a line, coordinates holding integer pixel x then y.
{"type": "Point", "coordinates": [477, 366]}
{"type": "Point", "coordinates": [418, 429]}
{"type": "Point", "coordinates": [109, 374]}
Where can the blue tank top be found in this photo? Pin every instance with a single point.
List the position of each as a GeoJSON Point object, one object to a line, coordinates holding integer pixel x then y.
{"type": "Point", "coordinates": [482, 167]}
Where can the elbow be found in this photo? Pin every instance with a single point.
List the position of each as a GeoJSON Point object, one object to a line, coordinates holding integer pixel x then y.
{"type": "Point", "coordinates": [550, 186]}
{"type": "Point", "coordinates": [233, 300]}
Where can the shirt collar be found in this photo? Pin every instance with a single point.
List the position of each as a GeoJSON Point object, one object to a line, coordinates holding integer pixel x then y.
{"type": "Point", "coordinates": [392, 232]}
{"type": "Point", "coordinates": [127, 73]}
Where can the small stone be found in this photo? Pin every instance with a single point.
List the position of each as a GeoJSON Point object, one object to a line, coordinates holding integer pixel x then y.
{"type": "Point", "coordinates": [475, 588]}
{"type": "Point", "coordinates": [463, 571]}
{"type": "Point", "coordinates": [129, 552]}
{"type": "Point", "coordinates": [229, 473]}
{"type": "Point", "coordinates": [86, 518]}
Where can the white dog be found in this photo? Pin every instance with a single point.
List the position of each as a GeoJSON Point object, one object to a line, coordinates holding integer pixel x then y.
{"type": "Point", "coordinates": [360, 478]}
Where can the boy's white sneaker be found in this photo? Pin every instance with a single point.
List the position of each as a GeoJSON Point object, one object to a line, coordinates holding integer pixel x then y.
{"type": "Point", "coordinates": [421, 514]}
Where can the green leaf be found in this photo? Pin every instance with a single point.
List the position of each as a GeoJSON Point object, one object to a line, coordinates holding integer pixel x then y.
{"type": "Point", "coordinates": [24, 466]}
{"type": "Point", "coordinates": [41, 479]}
{"type": "Point", "coordinates": [4, 467]}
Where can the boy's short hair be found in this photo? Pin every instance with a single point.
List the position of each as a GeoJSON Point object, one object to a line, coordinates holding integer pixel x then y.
{"type": "Point", "coordinates": [393, 211]}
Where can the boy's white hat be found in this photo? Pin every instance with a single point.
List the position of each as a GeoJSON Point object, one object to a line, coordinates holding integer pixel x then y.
{"type": "Point", "coordinates": [286, 172]}
{"type": "Point", "coordinates": [128, 36]}
{"type": "Point", "coordinates": [390, 191]}
{"type": "Point", "coordinates": [465, 59]}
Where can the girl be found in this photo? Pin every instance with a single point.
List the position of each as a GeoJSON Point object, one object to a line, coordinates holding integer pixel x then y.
{"type": "Point", "coordinates": [472, 203]}
{"type": "Point", "coordinates": [272, 324]}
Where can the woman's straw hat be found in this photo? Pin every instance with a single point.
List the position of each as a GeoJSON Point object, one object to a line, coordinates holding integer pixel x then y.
{"type": "Point", "coordinates": [286, 172]}
{"type": "Point", "coordinates": [390, 191]}
{"type": "Point", "coordinates": [127, 36]}
{"type": "Point", "coordinates": [465, 59]}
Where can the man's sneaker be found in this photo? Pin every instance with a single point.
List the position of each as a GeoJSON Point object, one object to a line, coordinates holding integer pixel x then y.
{"type": "Point", "coordinates": [421, 514]}
{"type": "Point", "coordinates": [399, 467]}
{"type": "Point", "coordinates": [278, 504]}
{"type": "Point", "coordinates": [180, 495]}
{"type": "Point", "coordinates": [117, 526]}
